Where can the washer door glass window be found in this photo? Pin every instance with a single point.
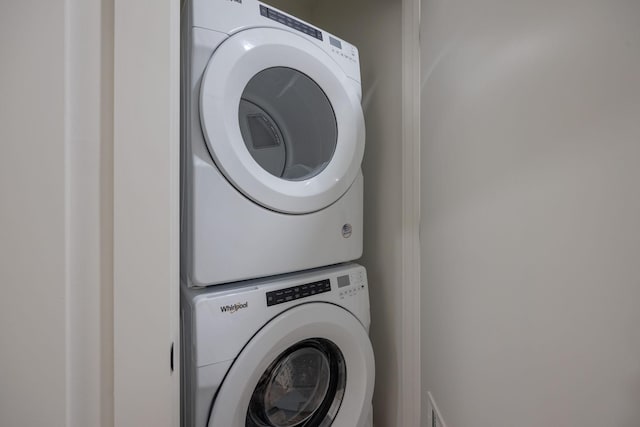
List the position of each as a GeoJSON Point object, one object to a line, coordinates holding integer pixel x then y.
{"type": "Point", "coordinates": [287, 123]}
{"type": "Point", "coordinates": [304, 386]}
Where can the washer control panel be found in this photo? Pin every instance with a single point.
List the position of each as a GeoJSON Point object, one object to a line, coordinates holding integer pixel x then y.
{"type": "Point", "coordinates": [296, 292]}
{"type": "Point", "coordinates": [351, 284]}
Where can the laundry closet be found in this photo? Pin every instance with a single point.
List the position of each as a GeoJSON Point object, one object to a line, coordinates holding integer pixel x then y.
{"type": "Point", "coordinates": [243, 217]}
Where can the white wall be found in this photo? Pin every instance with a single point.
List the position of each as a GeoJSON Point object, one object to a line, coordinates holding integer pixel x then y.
{"type": "Point", "coordinates": [33, 221]}
{"type": "Point", "coordinates": [531, 212]}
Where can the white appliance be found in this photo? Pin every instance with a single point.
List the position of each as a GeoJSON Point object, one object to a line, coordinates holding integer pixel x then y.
{"type": "Point", "coordinates": [273, 138]}
{"type": "Point", "coordinates": [291, 350]}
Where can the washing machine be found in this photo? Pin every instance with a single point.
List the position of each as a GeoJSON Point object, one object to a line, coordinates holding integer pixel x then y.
{"type": "Point", "coordinates": [289, 351]}
{"type": "Point", "coordinates": [272, 142]}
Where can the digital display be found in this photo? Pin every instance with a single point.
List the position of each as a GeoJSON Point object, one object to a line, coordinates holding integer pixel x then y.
{"type": "Point", "coordinates": [343, 281]}
{"type": "Point", "coordinates": [290, 22]}
{"type": "Point", "coordinates": [335, 42]}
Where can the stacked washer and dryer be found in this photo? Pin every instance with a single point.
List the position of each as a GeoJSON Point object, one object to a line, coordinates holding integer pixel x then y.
{"type": "Point", "coordinates": [275, 318]}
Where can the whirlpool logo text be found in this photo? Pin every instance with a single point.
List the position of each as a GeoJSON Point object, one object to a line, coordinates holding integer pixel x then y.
{"type": "Point", "coordinates": [234, 308]}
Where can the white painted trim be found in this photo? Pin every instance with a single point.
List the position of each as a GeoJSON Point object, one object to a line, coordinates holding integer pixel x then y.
{"type": "Point", "coordinates": [146, 212]}
{"type": "Point", "coordinates": [89, 170]}
{"type": "Point", "coordinates": [410, 395]}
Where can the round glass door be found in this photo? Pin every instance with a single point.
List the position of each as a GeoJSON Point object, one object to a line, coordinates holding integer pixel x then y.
{"type": "Point", "coordinates": [281, 120]}
{"type": "Point", "coordinates": [287, 123]}
{"type": "Point", "coordinates": [304, 386]}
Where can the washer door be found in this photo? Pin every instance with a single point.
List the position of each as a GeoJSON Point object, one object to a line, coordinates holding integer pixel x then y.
{"type": "Point", "coordinates": [311, 366]}
{"type": "Point", "coordinates": [280, 121]}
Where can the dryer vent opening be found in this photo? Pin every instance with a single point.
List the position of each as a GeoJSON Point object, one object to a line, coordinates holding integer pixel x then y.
{"type": "Point", "coordinates": [287, 123]}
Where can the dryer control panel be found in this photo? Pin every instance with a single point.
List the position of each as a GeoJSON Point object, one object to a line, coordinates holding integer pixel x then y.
{"type": "Point", "coordinates": [232, 16]}
{"type": "Point", "coordinates": [343, 52]}
{"type": "Point", "coordinates": [290, 22]}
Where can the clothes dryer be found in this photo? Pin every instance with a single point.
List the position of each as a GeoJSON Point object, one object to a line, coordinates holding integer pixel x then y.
{"type": "Point", "coordinates": [273, 138]}
{"type": "Point", "coordinates": [292, 350]}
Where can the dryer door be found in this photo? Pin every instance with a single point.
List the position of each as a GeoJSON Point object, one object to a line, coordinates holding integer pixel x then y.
{"type": "Point", "coordinates": [282, 120]}
{"type": "Point", "coordinates": [310, 366]}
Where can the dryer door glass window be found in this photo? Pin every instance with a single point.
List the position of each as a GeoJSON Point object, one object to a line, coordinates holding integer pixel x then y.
{"type": "Point", "coordinates": [304, 386]}
{"type": "Point", "coordinates": [287, 123]}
